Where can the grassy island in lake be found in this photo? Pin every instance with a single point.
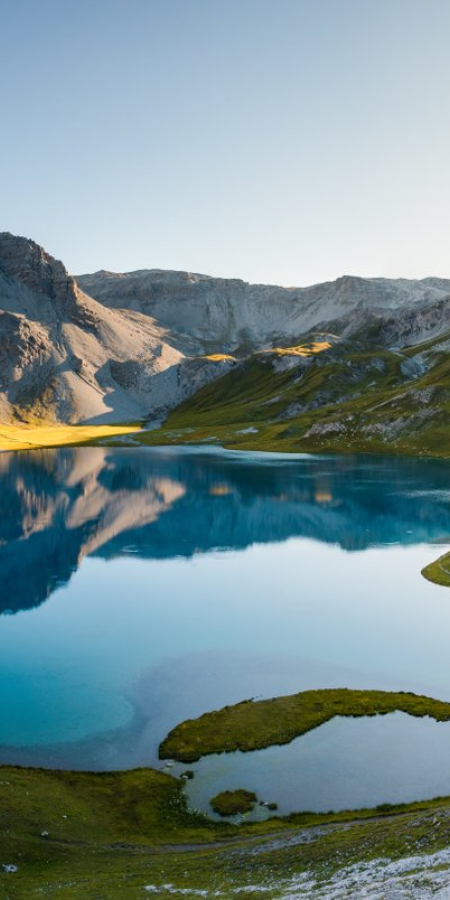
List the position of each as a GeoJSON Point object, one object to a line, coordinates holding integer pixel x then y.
{"type": "Point", "coordinates": [230, 803]}
{"type": "Point", "coordinates": [253, 725]}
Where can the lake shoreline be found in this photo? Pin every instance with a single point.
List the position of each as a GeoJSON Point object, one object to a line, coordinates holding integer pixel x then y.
{"type": "Point", "coordinates": [119, 831]}
{"type": "Point", "coordinates": [27, 437]}
{"type": "Point", "coordinates": [156, 531]}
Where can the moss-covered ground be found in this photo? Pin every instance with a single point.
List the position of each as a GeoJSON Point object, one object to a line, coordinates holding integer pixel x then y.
{"type": "Point", "coordinates": [72, 836]}
{"type": "Point", "coordinates": [253, 725]}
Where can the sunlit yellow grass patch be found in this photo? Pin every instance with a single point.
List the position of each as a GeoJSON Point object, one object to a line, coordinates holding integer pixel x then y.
{"type": "Point", "coordinates": [28, 437]}
{"type": "Point", "coordinates": [301, 349]}
{"type": "Point", "coordinates": [218, 357]}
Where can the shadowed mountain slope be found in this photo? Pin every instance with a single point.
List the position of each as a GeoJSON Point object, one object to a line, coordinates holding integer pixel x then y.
{"type": "Point", "coordinates": [345, 363]}
{"type": "Point", "coordinates": [67, 358]}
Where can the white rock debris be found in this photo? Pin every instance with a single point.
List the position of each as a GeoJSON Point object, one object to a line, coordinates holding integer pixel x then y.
{"type": "Point", "coordinates": [424, 877]}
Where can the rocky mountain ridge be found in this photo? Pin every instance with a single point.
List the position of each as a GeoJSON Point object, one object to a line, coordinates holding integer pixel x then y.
{"type": "Point", "coordinates": [65, 357]}
{"type": "Point", "coordinates": [232, 316]}
{"type": "Point", "coordinates": [111, 347]}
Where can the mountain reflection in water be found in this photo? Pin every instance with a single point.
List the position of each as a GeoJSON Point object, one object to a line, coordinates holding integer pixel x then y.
{"type": "Point", "coordinates": [58, 506]}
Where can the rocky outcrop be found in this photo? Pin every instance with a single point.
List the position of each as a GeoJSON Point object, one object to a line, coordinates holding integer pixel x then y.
{"type": "Point", "coordinates": [114, 347]}
{"type": "Point", "coordinates": [25, 261]}
{"type": "Point", "coordinates": [66, 357]}
{"type": "Point", "coordinates": [218, 315]}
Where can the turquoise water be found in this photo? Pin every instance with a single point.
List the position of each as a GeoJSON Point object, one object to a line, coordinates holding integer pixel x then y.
{"type": "Point", "coordinates": [344, 764]}
{"type": "Point", "coordinates": [142, 587]}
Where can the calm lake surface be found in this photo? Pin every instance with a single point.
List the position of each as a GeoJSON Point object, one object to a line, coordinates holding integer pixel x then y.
{"type": "Point", "coordinates": [139, 588]}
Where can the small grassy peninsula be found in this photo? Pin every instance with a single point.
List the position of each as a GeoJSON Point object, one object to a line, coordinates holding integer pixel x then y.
{"type": "Point", "coordinates": [438, 571]}
{"type": "Point", "coordinates": [254, 725]}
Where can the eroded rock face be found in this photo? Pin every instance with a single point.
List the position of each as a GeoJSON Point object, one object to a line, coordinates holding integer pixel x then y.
{"type": "Point", "coordinates": [66, 357]}
{"type": "Point", "coordinates": [114, 347]}
{"type": "Point", "coordinates": [28, 263]}
{"type": "Point", "coordinates": [214, 315]}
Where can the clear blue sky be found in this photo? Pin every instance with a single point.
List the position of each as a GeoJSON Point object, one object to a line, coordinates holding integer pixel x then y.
{"type": "Point", "coordinates": [286, 141]}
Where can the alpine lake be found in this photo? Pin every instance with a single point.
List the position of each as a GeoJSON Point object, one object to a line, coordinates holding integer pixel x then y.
{"type": "Point", "coordinates": [143, 587]}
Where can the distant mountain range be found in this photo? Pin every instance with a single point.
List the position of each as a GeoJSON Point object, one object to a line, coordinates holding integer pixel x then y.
{"type": "Point", "coordinates": [355, 362]}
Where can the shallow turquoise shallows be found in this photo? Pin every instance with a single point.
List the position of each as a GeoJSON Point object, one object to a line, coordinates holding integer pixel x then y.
{"type": "Point", "coordinates": [139, 588]}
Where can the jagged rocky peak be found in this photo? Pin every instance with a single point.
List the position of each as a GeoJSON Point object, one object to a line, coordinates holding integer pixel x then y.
{"type": "Point", "coordinates": [23, 259]}
{"type": "Point", "coordinates": [118, 347]}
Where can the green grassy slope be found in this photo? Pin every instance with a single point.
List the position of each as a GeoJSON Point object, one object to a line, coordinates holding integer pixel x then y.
{"type": "Point", "coordinates": [347, 398]}
{"type": "Point", "coordinates": [111, 836]}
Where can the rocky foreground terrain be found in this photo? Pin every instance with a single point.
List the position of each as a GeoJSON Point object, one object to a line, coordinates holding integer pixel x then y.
{"type": "Point", "coordinates": [87, 844]}
{"type": "Point", "coordinates": [110, 347]}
